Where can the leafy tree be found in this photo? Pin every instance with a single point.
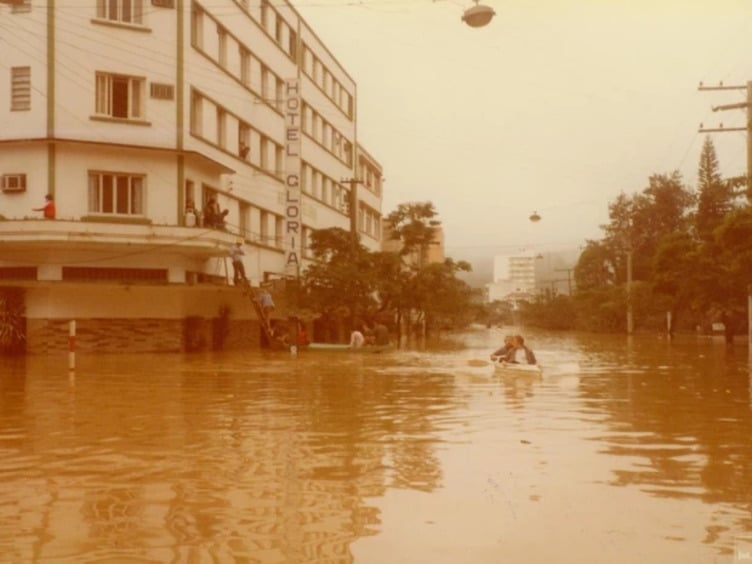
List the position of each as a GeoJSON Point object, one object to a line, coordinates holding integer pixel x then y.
{"type": "Point", "coordinates": [390, 280]}
{"type": "Point", "coordinates": [620, 237]}
{"type": "Point", "coordinates": [341, 279]}
{"type": "Point", "coordinates": [636, 231]}
{"type": "Point", "coordinates": [558, 312]}
{"type": "Point", "coordinates": [595, 267]}
{"type": "Point", "coordinates": [662, 208]}
{"type": "Point", "coordinates": [414, 224]}
{"type": "Point", "coordinates": [349, 280]}
{"type": "Point", "coordinates": [674, 271]}
{"type": "Point", "coordinates": [601, 309]}
{"type": "Point", "coordinates": [725, 290]}
{"type": "Point", "coordinates": [439, 296]}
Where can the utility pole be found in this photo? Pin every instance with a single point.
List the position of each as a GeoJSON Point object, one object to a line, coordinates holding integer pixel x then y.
{"type": "Point", "coordinates": [630, 315]}
{"type": "Point", "coordinates": [748, 106]}
{"type": "Point", "coordinates": [720, 129]}
{"type": "Point", "coordinates": [353, 182]}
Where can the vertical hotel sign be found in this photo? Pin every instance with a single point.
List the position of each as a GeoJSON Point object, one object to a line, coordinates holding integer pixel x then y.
{"type": "Point", "coordinates": [293, 222]}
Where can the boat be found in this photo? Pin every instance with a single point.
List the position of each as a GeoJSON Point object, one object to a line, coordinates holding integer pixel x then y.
{"type": "Point", "coordinates": [339, 347]}
{"type": "Point", "coordinates": [515, 369]}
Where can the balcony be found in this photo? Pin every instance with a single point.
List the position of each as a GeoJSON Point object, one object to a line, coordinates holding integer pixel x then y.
{"type": "Point", "coordinates": [58, 249]}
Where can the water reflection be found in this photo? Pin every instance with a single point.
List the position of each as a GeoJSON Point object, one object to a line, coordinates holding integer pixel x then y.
{"type": "Point", "coordinates": [399, 457]}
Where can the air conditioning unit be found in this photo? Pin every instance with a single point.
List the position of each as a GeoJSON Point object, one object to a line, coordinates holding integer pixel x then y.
{"type": "Point", "coordinates": [14, 182]}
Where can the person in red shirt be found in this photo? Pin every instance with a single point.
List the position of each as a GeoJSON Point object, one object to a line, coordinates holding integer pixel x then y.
{"type": "Point", "coordinates": [48, 208]}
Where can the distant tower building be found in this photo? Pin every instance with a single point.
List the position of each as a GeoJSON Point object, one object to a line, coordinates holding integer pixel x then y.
{"type": "Point", "coordinates": [514, 277]}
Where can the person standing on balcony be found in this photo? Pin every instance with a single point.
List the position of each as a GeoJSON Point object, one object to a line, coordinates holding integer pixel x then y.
{"type": "Point", "coordinates": [213, 215]}
{"type": "Point", "coordinates": [48, 208]}
{"type": "Point", "coordinates": [238, 268]}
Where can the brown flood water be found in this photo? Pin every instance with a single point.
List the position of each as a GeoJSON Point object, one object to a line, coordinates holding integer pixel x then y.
{"type": "Point", "coordinates": [626, 450]}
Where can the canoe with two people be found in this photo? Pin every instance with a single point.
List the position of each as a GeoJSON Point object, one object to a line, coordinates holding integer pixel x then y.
{"type": "Point", "coordinates": [514, 355]}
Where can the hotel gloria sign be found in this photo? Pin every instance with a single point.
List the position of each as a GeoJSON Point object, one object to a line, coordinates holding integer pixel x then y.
{"type": "Point", "coordinates": [293, 219]}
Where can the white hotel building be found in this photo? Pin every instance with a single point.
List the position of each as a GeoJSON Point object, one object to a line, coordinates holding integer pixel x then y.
{"type": "Point", "coordinates": [124, 110]}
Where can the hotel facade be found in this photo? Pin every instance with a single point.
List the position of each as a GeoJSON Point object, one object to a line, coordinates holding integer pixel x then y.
{"type": "Point", "coordinates": [127, 112]}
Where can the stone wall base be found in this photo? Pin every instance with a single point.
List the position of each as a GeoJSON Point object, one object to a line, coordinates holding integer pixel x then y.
{"type": "Point", "coordinates": [45, 336]}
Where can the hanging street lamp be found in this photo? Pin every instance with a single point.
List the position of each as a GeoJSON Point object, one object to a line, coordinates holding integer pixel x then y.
{"type": "Point", "coordinates": [478, 15]}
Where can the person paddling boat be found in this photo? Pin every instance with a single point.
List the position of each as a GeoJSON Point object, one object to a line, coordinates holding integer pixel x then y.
{"type": "Point", "coordinates": [501, 353]}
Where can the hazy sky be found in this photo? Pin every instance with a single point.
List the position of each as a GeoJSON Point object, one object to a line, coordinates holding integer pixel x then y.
{"type": "Point", "coordinates": [555, 106]}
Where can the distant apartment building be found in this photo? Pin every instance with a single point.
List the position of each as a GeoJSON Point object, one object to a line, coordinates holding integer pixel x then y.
{"type": "Point", "coordinates": [128, 112]}
{"type": "Point", "coordinates": [513, 277]}
{"type": "Point", "coordinates": [434, 252]}
{"type": "Point", "coordinates": [368, 189]}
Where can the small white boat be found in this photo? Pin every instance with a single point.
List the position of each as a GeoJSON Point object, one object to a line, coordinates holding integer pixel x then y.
{"type": "Point", "coordinates": [338, 347]}
{"type": "Point", "coordinates": [515, 369]}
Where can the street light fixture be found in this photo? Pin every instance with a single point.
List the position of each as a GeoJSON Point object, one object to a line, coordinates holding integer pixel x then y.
{"type": "Point", "coordinates": [478, 15]}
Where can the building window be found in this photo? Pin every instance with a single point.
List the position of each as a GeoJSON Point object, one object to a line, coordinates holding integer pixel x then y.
{"type": "Point", "coordinates": [347, 153]}
{"type": "Point", "coordinates": [265, 76]}
{"type": "Point", "coordinates": [278, 30]}
{"type": "Point", "coordinates": [279, 93]}
{"type": "Point", "coordinates": [221, 46]}
{"type": "Point", "coordinates": [115, 193]}
{"type": "Point", "coordinates": [292, 48]}
{"type": "Point", "coordinates": [245, 66]}
{"type": "Point", "coordinates": [221, 128]}
{"type": "Point", "coordinates": [20, 89]}
{"type": "Point", "coordinates": [265, 14]}
{"type": "Point", "coordinates": [244, 220]}
{"type": "Point", "coordinates": [197, 114]}
{"type": "Point", "coordinates": [305, 238]}
{"type": "Point", "coordinates": [125, 11]}
{"type": "Point", "coordinates": [197, 27]}
{"type": "Point", "coordinates": [264, 153]}
{"type": "Point", "coordinates": [264, 228]}
{"type": "Point", "coordinates": [279, 231]}
{"type": "Point", "coordinates": [244, 141]}
{"type": "Point", "coordinates": [336, 195]}
{"type": "Point", "coordinates": [119, 96]}
{"type": "Point", "coordinates": [325, 181]}
{"type": "Point", "coordinates": [279, 160]}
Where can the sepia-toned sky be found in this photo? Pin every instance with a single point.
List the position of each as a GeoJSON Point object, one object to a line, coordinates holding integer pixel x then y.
{"type": "Point", "coordinates": [556, 106]}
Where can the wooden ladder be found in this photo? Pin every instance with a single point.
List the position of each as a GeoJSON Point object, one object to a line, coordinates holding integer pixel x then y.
{"type": "Point", "coordinates": [249, 292]}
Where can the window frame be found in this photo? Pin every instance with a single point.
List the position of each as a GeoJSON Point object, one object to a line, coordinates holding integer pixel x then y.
{"type": "Point", "coordinates": [108, 93]}
{"type": "Point", "coordinates": [113, 11]}
{"type": "Point", "coordinates": [134, 198]}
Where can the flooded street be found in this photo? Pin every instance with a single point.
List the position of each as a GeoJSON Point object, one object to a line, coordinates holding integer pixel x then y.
{"type": "Point", "coordinates": [626, 450]}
